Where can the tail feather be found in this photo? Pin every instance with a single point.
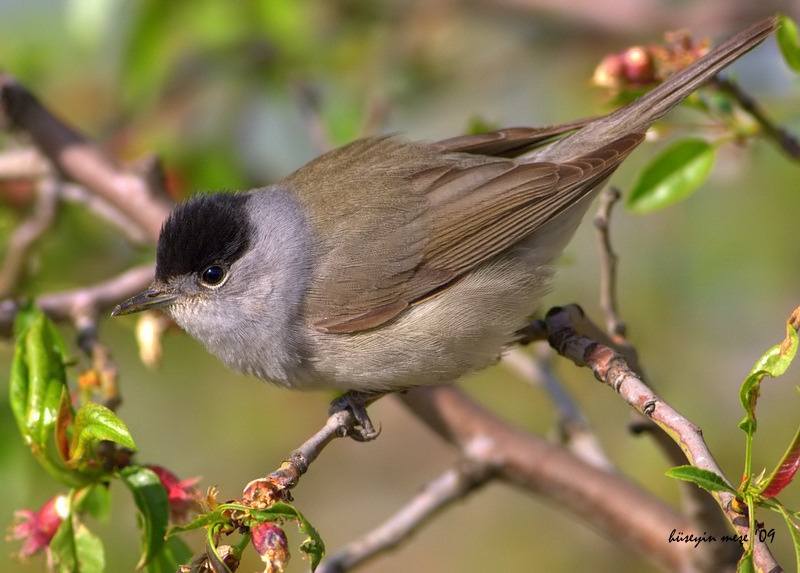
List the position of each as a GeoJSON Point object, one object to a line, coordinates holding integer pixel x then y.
{"type": "Point", "coordinates": [639, 115]}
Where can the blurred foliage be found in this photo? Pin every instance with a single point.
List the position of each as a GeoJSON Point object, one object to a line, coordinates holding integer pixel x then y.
{"type": "Point", "coordinates": [227, 94]}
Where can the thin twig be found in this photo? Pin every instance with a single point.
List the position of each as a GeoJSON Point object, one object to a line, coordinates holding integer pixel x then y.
{"type": "Point", "coordinates": [103, 366]}
{"type": "Point", "coordinates": [785, 140]}
{"type": "Point", "coordinates": [610, 368]}
{"type": "Point", "coordinates": [453, 485]}
{"type": "Point", "coordinates": [96, 298]}
{"type": "Point", "coordinates": [25, 236]}
{"type": "Point", "coordinates": [262, 492]}
{"type": "Point", "coordinates": [23, 164]}
{"type": "Point", "coordinates": [698, 506]}
{"type": "Point", "coordinates": [608, 264]}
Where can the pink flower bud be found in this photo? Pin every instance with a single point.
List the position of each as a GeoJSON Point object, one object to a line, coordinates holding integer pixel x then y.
{"type": "Point", "coordinates": [269, 541]}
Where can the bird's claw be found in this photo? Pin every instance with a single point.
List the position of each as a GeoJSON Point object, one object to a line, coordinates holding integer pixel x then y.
{"type": "Point", "coordinates": [356, 402]}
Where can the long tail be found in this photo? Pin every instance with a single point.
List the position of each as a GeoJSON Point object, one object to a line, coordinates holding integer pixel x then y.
{"type": "Point", "coordinates": [639, 115]}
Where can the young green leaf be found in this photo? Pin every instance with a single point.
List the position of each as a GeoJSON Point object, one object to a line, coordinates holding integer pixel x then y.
{"type": "Point", "coordinates": [705, 479]}
{"type": "Point", "coordinates": [312, 546]}
{"type": "Point", "coordinates": [40, 399]}
{"type": "Point", "coordinates": [789, 42]}
{"type": "Point", "coordinates": [199, 522]}
{"type": "Point", "coordinates": [74, 547]}
{"type": "Point", "coordinates": [151, 499]}
{"type": "Point", "coordinates": [672, 175]}
{"type": "Point", "coordinates": [24, 317]}
{"type": "Point", "coordinates": [95, 423]}
{"type": "Point", "coordinates": [773, 363]}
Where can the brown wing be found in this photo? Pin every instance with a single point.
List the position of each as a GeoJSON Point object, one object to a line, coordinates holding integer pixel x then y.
{"type": "Point", "coordinates": [484, 220]}
{"type": "Point", "coordinates": [509, 142]}
{"type": "Point", "coordinates": [470, 212]}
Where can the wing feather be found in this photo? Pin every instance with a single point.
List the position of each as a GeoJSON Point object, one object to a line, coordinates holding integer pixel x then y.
{"type": "Point", "coordinates": [463, 212]}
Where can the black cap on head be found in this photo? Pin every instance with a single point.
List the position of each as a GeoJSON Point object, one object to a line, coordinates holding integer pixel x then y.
{"type": "Point", "coordinates": [205, 230]}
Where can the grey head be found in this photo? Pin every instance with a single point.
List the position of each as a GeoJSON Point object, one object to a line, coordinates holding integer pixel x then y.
{"type": "Point", "coordinates": [231, 270]}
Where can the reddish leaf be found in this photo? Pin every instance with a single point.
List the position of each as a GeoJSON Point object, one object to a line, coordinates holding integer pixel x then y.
{"type": "Point", "coordinates": [786, 470]}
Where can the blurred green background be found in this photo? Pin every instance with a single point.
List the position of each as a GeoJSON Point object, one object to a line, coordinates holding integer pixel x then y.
{"type": "Point", "coordinates": [217, 90]}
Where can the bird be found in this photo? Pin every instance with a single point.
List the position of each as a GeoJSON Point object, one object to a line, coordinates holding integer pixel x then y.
{"type": "Point", "coordinates": [388, 264]}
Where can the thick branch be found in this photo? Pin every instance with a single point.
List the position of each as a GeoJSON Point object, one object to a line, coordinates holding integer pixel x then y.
{"type": "Point", "coordinates": [625, 513]}
{"type": "Point", "coordinates": [80, 161]}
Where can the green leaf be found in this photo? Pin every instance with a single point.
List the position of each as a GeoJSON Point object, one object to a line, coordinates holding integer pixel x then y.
{"type": "Point", "coordinates": [789, 42]}
{"type": "Point", "coordinates": [40, 398]}
{"type": "Point", "coordinates": [199, 522]}
{"type": "Point", "coordinates": [773, 363]}
{"type": "Point", "coordinates": [312, 546]}
{"type": "Point", "coordinates": [151, 499]}
{"type": "Point", "coordinates": [95, 423]}
{"type": "Point", "coordinates": [746, 564]}
{"type": "Point", "coordinates": [705, 479]}
{"type": "Point", "coordinates": [672, 175]}
{"type": "Point", "coordinates": [794, 531]}
{"type": "Point", "coordinates": [24, 317]}
{"type": "Point", "coordinates": [74, 547]}
{"type": "Point", "coordinates": [89, 549]}
{"type": "Point", "coordinates": [62, 546]}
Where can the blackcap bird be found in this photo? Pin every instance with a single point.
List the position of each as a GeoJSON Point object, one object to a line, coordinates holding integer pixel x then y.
{"type": "Point", "coordinates": [385, 264]}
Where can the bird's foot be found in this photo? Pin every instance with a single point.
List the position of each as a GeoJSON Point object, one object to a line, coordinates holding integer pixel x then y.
{"type": "Point", "coordinates": [356, 402]}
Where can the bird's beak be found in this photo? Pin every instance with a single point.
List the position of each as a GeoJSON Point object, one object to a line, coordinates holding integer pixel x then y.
{"type": "Point", "coordinates": [147, 300]}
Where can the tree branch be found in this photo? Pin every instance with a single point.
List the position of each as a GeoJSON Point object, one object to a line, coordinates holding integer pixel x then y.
{"type": "Point", "coordinates": [607, 501]}
{"type": "Point", "coordinates": [610, 368]}
{"type": "Point", "coordinates": [453, 485]}
{"type": "Point", "coordinates": [67, 305]}
{"type": "Point", "coordinates": [79, 161]}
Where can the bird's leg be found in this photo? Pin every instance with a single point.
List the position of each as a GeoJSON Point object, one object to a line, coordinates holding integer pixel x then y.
{"type": "Point", "coordinates": [357, 403]}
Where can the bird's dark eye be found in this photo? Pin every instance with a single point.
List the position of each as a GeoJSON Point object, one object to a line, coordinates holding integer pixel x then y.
{"type": "Point", "coordinates": [213, 276]}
